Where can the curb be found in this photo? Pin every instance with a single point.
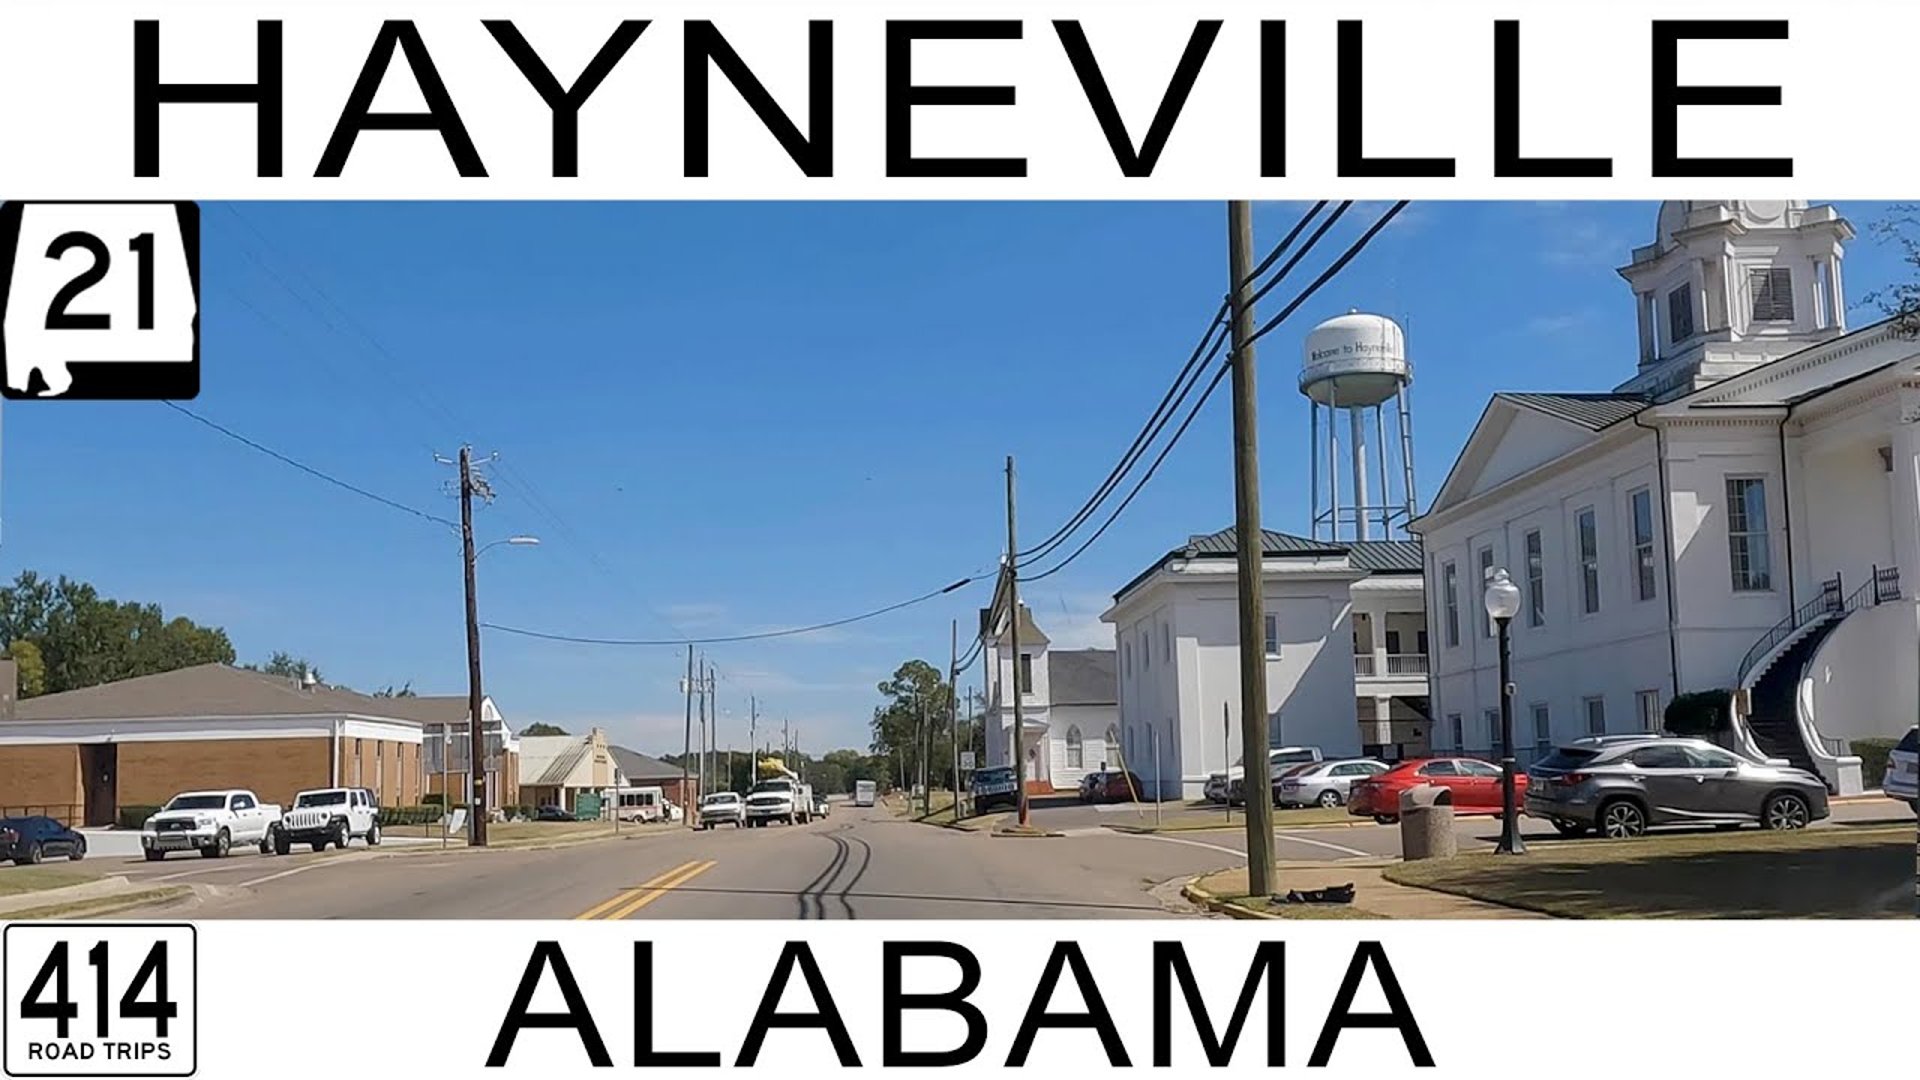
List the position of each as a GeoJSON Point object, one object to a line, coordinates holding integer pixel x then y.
{"type": "Point", "coordinates": [1149, 830]}
{"type": "Point", "coordinates": [1194, 893]}
{"type": "Point", "coordinates": [109, 904]}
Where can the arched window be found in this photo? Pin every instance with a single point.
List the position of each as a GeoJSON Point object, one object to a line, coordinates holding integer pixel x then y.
{"type": "Point", "coordinates": [1075, 751]}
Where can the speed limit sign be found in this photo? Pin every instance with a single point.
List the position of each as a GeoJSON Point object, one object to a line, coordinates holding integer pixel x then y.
{"type": "Point", "coordinates": [100, 300]}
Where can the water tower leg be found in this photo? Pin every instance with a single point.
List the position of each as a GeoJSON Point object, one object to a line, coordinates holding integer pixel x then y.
{"type": "Point", "coordinates": [1406, 452]}
{"type": "Point", "coordinates": [1313, 446]}
{"type": "Point", "coordinates": [1386, 492]}
{"type": "Point", "coordinates": [1333, 463]}
{"type": "Point", "coordinates": [1357, 418]}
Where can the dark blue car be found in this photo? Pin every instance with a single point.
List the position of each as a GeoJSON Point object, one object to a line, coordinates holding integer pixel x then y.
{"type": "Point", "coordinates": [28, 840]}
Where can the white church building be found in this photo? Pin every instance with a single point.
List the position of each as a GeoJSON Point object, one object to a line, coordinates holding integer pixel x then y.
{"type": "Point", "coordinates": [1068, 705]}
{"type": "Point", "coordinates": [1742, 513]}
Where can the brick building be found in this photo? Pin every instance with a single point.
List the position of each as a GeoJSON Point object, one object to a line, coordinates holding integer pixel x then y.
{"type": "Point", "coordinates": [447, 747]}
{"type": "Point", "coordinates": [82, 755]}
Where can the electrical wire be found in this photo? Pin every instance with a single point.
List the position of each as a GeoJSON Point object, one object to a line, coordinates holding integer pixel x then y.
{"type": "Point", "coordinates": [1183, 382]}
{"type": "Point", "coordinates": [1213, 384]}
{"type": "Point", "coordinates": [763, 636]}
{"type": "Point", "coordinates": [308, 469]}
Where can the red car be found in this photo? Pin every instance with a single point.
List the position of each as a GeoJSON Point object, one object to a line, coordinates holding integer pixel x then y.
{"type": "Point", "coordinates": [1114, 787]}
{"type": "Point", "coordinates": [1475, 786]}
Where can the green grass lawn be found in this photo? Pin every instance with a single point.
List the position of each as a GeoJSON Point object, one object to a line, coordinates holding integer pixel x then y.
{"type": "Point", "coordinates": [1815, 873]}
{"type": "Point", "coordinates": [15, 880]}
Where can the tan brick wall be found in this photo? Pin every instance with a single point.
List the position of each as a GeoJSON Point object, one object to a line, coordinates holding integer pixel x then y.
{"type": "Point", "coordinates": [275, 769]}
{"type": "Point", "coordinates": [409, 770]}
{"type": "Point", "coordinates": [35, 776]}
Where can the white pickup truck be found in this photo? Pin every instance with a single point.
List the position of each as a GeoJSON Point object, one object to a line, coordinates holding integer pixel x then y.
{"type": "Point", "coordinates": [777, 800]}
{"type": "Point", "coordinates": [210, 822]}
{"type": "Point", "coordinates": [328, 816]}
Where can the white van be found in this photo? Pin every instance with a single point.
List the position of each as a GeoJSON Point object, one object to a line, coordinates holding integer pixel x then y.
{"type": "Point", "coordinates": [863, 792]}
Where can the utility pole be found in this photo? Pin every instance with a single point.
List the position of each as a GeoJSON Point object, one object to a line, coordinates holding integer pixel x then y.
{"type": "Point", "coordinates": [1013, 646]}
{"type": "Point", "coordinates": [953, 710]}
{"type": "Point", "coordinates": [1258, 783]}
{"type": "Point", "coordinates": [686, 748]}
{"type": "Point", "coordinates": [753, 748]}
{"type": "Point", "coordinates": [476, 731]}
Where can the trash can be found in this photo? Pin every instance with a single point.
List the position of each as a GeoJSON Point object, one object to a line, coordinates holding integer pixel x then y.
{"type": "Point", "coordinates": [1426, 823]}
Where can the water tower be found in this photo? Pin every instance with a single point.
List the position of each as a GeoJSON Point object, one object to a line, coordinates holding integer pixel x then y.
{"type": "Point", "coordinates": [1357, 364]}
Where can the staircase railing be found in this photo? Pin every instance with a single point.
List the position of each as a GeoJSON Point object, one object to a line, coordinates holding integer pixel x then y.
{"type": "Point", "coordinates": [1828, 602]}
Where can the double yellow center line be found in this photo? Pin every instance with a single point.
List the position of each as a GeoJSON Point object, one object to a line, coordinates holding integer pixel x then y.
{"type": "Point", "coordinates": [631, 900]}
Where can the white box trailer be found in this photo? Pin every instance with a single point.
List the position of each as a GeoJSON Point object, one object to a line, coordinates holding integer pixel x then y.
{"type": "Point", "coordinates": [863, 792]}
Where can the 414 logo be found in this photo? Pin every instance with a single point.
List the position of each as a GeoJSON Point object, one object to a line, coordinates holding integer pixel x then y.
{"type": "Point", "coordinates": [100, 999]}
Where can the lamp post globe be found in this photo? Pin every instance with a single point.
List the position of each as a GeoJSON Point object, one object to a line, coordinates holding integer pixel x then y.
{"type": "Point", "coordinates": [1503, 603]}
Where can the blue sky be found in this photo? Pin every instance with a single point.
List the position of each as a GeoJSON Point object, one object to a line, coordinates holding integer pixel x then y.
{"type": "Point", "coordinates": [726, 418]}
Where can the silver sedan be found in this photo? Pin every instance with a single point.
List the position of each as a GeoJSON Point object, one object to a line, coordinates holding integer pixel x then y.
{"type": "Point", "coordinates": [1323, 783]}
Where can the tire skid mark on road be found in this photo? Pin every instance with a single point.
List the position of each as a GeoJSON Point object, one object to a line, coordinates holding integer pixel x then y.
{"type": "Point", "coordinates": [644, 893]}
{"type": "Point", "coordinates": [819, 888]}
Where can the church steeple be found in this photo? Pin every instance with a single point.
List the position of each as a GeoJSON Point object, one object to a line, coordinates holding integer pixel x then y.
{"type": "Point", "coordinates": [1729, 285]}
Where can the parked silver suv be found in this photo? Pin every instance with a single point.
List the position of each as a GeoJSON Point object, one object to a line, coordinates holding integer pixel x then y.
{"type": "Point", "coordinates": [1623, 786]}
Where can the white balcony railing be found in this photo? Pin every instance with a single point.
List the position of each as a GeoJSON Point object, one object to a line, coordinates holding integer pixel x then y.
{"type": "Point", "coordinates": [1398, 664]}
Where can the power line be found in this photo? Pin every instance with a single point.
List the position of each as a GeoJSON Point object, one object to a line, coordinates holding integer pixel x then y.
{"type": "Point", "coordinates": [681, 642]}
{"type": "Point", "coordinates": [1183, 383]}
{"type": "Point", "coordinates": [308, 469]}
{"type": "Point", "coordinates": [1271, 324]}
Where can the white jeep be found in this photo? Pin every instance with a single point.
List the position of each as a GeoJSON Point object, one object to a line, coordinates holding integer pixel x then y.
{"type": "Point", "coordinates": [328, 816]}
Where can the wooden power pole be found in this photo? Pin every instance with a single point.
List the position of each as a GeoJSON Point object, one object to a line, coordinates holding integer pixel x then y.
{"type": "Point", "coordinates": [1257, 786]}
{"type": "Point", "coordinates": [686, 748]}
{"type": "Point", "coordinates": [953, 711]}
{"type": "Point", "coordinates": [1013, 649]}
{"type": "Point", "coordinates": [476, 731]}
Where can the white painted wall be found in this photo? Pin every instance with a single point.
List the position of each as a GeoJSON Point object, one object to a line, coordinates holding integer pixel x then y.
{"type": "Point", "coordinates": [1864, 680]}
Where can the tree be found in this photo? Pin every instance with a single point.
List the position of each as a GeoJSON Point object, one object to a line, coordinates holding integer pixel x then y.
{"type": "Point", "coordinates": [1901, 300]}
{"type": "Point", "coordinates": [542, 729]}
{"type": "Point", "coordinates": [915, 695]}
{"type": "Point", "coordinates": [85, 639]}
{"type": "Point", "coordinates": [29, 666]}
{"type": "Point", "coordinates": [285, 665]}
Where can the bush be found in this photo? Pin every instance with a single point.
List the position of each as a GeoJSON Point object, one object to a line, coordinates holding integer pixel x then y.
{"type": "Point", "coordinates": [409, 815]}
{"type": "Point", "coordinates": [134, 817]}
{"type": "Point", "coordinates": [1873, 759]}
{"type": "Point", "coordinates": [1705, 712]}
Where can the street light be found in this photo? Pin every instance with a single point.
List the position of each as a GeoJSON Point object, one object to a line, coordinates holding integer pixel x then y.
{"type": "Point", "coordinates": [476, 729]}
{"type": "Point", "coordinates": [517, 541]}
{"type": "Point", "coordinates": [1503, 603]}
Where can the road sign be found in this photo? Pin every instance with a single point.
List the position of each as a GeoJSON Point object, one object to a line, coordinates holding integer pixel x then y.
{"type": "Point", "coordinates": [966, 761]}
{"type": "Point", "coordinates": [100, 1000]}
{"type": "Point", "coordinates": [100, 300]}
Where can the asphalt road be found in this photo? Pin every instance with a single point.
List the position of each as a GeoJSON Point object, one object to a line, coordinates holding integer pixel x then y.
{"type": "Point", "coordinates": [856, 864]}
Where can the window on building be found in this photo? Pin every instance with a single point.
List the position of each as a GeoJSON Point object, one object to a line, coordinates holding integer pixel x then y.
{"type": "Point", "coordinates": [1679, 315]}
{"type": "Point", "coordinates": [1647, 703]}
{"type": "Point", "coordinates": [1026, 673]}
{"type": "Point", "coordinates": [1589, 561]}
{"type": "Point", "coordinates": [1455, 728]}
{"type": "Point", "coordinates": [1273, 635]}
{"type": "Point", "coordinates": [1126, 657]}
{"type": "Point", "coordinates": [1166, 642]}
{"type": "Point", "coordinates": [1747, 539]}
{"type": "Point", "coordinates": [1491, 717]}
{"type": "Point", "coordinates": [1596, 715]}
{"type": "Point", "coordinates": [1076, 752]}
{"type": "Point", "coordinates": [1542, 729]}
{"type": "Point", "coordinates": [1772, 289]}
{"type": "Point", "coordinates": [1451, 586]}
{"type": "Point", "coordinates": [1486, 575]}
{"type": "Point", "coordinates": [1146, 653]}
{"type": "Point", "coordinates": [1536, 580]}
{"type": "Point", "coordinates": [1641, 504]}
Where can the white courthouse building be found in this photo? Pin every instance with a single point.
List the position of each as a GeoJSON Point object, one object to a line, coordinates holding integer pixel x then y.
{"type": "Point", "coordinates": [1346, 645]}
{"type": "Point", "coordinates": [1741, 513]}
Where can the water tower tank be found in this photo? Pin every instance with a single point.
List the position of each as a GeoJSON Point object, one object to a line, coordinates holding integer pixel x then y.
{"type": "Point", "coordinates": [1355, 360]}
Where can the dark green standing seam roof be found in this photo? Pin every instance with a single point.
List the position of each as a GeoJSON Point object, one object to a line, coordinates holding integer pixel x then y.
{"type": "Point", "coordinates": [1591, 411]}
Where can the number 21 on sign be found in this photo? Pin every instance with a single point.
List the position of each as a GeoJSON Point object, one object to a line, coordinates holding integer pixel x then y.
{"type": "Point", "coordinates": [70, 1013]}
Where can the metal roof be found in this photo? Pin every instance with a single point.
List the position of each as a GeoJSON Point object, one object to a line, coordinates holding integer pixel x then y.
{"type": "Point", "coordinates": [550, 760]}
{"type": "Point", "coordinates": [1386, 556]}
{"type": "Point", "coordinates": [1591, 411]}
{"type": "Point", "coordinates": [1271, 543]}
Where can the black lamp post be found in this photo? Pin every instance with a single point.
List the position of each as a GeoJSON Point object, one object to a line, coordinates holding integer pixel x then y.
{"type": "Point", "coordinates": [1503, 603]}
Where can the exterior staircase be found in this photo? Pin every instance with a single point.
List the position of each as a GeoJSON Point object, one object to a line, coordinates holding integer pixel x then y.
{"type": "Point", "coordinates": [1774, 720]}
